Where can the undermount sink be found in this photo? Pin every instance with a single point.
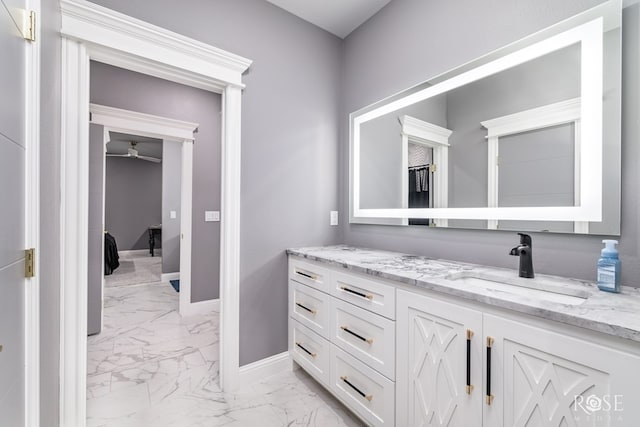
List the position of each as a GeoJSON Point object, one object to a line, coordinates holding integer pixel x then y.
{"type": "Point", "coordinates": [549, 289]}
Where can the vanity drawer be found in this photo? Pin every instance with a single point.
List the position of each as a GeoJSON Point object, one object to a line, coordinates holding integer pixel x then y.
{"type": "Point", "coordinates": [310, 351]}
{"type": "Point", "coordinates": [309, 274]}
{"type": "Point", "coordinates": [365, 335]}
{"type": "Point", "coordinates": [362, 389]}
{"type": "Point", "coordinates": [368, 294]}
{"type": "Point", "coordinates": [309, 307]}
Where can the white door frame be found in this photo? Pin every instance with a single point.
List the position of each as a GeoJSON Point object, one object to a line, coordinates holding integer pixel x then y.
{"type": "Point", "coordinates": [92, 32]}
{"type": "Point", "coordinates": [427, 134]}
{"type": "Point", "coordinates": [554, 114]}
{"type": "Point", "coordinates": [32, 220]}
{"type": "Point", "coordinates": [133, 122]}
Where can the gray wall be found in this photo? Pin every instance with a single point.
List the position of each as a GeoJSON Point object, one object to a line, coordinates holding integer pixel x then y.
{"type": "Point", "coordinates": [50, 208]}
{"type": "Point", "coordinates": [171, 181]}
{"type": "Point", "coordinates": [95, 230]}
{"type": "Point", "coordinates": [133, 200]}
{"type": "Point", "coordinates": [372, 71]}
{"type": "Point", "coordinates": [289, 144]}
{"type": "Point", "coordinates": [290, 115]}
{"type": "Point", "coordinates": [120, 88]}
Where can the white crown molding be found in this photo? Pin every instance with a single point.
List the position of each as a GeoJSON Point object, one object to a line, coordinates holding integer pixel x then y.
{"type": "Point", "coordinates": [535, 118]}
{"type": "Point", "coordinates": [159, 51]}
{"type": "Point", "coordinates": [416, 128]}
{"type": "Point", "coordinates": [153, 126]}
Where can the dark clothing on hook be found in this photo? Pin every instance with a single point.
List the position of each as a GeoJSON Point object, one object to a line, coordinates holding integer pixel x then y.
{"type": "Point", "coordinates": [110, 254]}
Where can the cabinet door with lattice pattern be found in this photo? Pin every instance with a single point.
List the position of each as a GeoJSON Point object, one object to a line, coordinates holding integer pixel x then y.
{"type": "Point", "coordinates": [439, 357]}
{"type": "Point", "coordinates": [547, 378]}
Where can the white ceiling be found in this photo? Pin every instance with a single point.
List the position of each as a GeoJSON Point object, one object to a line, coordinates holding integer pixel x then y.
{"type": "Point", "coordinates": [339, 17]}
{"type": "Point", "coordinates": [119, 144]}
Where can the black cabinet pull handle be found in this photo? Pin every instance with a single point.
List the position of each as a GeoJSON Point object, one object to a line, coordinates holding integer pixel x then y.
{"type": "Point", "coordinates": [360, 294]}
{"type": "Point", "coordinates": [360, 337]}
{"type": "Point", "coordinates": [360, 392]}
{"type": "Point", "coordinates": [469, 335]}
{"type": "Point", "coordinates": [305, 350]}
{"type": "Point", "coordinates": [489, 396]}
{"type": "Point", "coordinates": [307, 275]}
{"type": "Point", "coordinates": [310, 310]}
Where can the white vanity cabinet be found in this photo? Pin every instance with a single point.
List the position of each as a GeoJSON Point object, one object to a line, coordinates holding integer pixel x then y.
{"type": "Point", "coordinates": [535, 375]}
{"type": "Point", "coordinates": [400, 355]}
{"type": "Point", "coordinates": [543, 377]}
{"type": "Point", "coordinates": [438, 347]}
{"type": "Point", "coordinates": [342, 332]}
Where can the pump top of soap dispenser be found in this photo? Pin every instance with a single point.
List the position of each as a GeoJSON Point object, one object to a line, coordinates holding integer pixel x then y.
{"type": "Point", "coordinates": [610, 250]}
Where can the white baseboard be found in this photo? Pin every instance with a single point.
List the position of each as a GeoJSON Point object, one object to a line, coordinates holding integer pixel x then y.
{"type": "Point", "coordinates": [258, 371]}
{"type": "Point", "coordinates": [136, 252]}
{"type": "Point", "coordinates": [165, 277]}
{"type": "Point", "coordinates": [201, 307]}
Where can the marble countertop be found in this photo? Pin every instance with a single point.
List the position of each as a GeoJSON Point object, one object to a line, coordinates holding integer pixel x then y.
{"type": "Point", "coordinates": [613, 314]}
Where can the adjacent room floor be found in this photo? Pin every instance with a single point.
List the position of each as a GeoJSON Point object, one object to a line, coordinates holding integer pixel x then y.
{"type": "Point", "coordinates": [151, 367]}
{"type": "Point", "coordinates": [136, 267]}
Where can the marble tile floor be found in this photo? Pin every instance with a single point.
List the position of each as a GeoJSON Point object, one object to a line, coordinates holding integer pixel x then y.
{"type": "Point", "coordinates": [151, 367]}
{"type": "Point", "coordinates": [135, 268]}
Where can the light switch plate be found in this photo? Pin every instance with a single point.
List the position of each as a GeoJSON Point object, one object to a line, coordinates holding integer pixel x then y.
{"type": "Point", "coordinates": [173, 214]}
{"type": "Point", "coordinates": [333, 218]}
{"type": "Point", "coordinates": [212, 216]}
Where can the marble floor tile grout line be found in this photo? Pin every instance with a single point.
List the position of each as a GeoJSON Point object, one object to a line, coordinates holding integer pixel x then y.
{"type": "Point", "coordinates": [151, 367]}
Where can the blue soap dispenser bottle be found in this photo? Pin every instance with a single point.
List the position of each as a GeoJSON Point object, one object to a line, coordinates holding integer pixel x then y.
{"type": "Point", "coordinates": [609, 267]}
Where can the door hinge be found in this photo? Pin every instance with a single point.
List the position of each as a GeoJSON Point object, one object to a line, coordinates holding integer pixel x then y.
{"type": "Point", "coordinates": [29, 262]}
{"type": "Point", "coordinates": [432, 168]}
{"type": "Point", "coordinates": [30, 26]}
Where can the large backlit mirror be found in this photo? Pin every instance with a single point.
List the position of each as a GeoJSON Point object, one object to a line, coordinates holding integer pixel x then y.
{"type": "Point", "coordinates": [525, 138]}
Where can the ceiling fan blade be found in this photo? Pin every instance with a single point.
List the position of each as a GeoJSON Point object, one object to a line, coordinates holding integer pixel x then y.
{"type": "Point", "coordinates": [149, 159]}
{"type": "Point", "coordinates": [117, 155]}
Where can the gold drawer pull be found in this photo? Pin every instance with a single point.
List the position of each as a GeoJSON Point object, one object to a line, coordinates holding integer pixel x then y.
{"type": "Point", "coordinates": [305, 350]}
{"type": "Point", "coordinates": [310, 310]}
{"type": "Point", "coordinates": [360, 294]}
{"type": "Point", "coordinates": [360, 392]}
{"type": "Point", "coordinates": [360, 337]}
{"type": "Point", "coordinates": [307, 275]}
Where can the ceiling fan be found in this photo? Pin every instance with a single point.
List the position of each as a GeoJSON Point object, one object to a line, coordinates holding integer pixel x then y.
{"type": "Point", "coordinates": [132, 153]}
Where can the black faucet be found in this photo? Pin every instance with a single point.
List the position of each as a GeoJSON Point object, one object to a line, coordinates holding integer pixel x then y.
{"type": "Point", "coordinates": [524, 251]}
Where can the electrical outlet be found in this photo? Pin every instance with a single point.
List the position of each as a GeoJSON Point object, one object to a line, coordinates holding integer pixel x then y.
{"type": "Point", "coordinates": [173, 215]}
{"type": "Point", "coordinates": [333, 218]}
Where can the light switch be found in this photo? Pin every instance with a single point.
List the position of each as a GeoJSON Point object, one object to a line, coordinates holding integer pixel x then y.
{"type": "Point", "coordinates": [173, 214]}
{"type": "Point", "coordinates": [211, 216]}
{"type": "Point", "coordinates": [333, 218]}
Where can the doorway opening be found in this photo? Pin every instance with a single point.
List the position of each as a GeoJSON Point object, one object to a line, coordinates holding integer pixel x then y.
{"type": "Point", "coordinates": [133, 196]}
{"type": "Point", "coordinates": [93, 32]}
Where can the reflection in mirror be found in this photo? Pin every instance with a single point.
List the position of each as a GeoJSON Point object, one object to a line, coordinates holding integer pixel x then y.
{"type": "Point", "coordinates": [511, 139]}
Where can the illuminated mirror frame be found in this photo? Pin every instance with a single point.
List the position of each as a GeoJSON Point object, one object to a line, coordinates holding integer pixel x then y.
{"type": "Point", "coordinates": [590, 37]}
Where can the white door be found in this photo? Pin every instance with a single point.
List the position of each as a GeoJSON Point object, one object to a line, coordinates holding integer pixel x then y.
{"type": "Point", "coordinates": [432, 351]}
{"type": "Point", "coordinates": [541, 378]}
{"type": "Point", "coordinates": [12, 214]}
